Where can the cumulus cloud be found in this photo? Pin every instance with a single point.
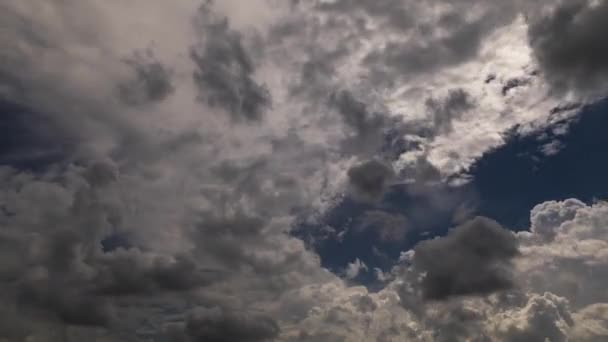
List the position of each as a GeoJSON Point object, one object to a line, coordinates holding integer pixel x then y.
{"type": "Point", "coordinates": [544, 317]}
{"type": "Point", "coordinates": [556, 296]}
{"type": "Point", "coordinates": [151, 82]}
{"type": "Point", "coordinates": [452, 107]}
{"type": "Point", "coordinates": [474, 258]}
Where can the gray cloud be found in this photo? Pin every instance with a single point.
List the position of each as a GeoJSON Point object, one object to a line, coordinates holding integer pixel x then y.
{"type": "Point", "coordinates": [101, 173]}
{"type": "Point", "coordinates": [131, 272]}
{"type": "Point", "coordinates": [448, 109]}
{"type": "Point", "coordinates": [217, 325]}
{"type": "Point", "coordinates": [430, 49]}
{"type": "Point", "coordinates": [413, 58]}
{"type": "Point", "coordinates": [370, 179]}
{"type": "Point", "coordinates": [66, 305]}
{"type": "Point", "coordinates": [225, 74]}
{"type": "Point", "coordinates": [570, 46]}
{"type": "Point", "coordinates": [152, 80]}
{"type": "Point", "coordinates": [514, 83]}
{"type": "Point", "coordinates": [475, 258]}
{"type": "Point", "coordinates": [365, 127]}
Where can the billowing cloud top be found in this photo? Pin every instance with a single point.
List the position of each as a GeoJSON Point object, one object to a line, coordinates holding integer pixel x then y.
{"type": "Point", "coordinates": [155, 157]}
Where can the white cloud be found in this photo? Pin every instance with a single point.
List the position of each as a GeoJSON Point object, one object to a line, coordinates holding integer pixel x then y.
{"type": "Point", "coordinates": [354, 268]}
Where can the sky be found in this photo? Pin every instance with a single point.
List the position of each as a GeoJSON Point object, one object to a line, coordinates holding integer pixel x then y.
{"type": "Point", "coordinates": [303, 170]}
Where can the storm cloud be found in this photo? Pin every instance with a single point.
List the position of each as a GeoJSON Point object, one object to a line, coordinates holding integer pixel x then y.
{"type": "Point", "coordinates": [152, 80]}
{"type": "Point", "coordinates": [569, 45]}
{"type": "Point", "coordinates": [475, 258]}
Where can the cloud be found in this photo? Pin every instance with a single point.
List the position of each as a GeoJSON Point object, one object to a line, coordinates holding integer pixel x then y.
{"type": "Point", "coordinates": [365, 129]}
{"type": "Point", "coordinates": [355, 268]}
{"type": "Point", "coordinates": [369, 180]}
{"type": "Point", "coordinates": [475, 258]}
{"type": "Point", "coordinates": [544, 317]}
{"type": "Point", "coordinates": [590, 323]}
{"type": "Point", "coordinates": [152, 80]}
{"type": "Point", "coordinates": [436, 40]}
{"type": "Point", "coordinates": [225, 74]}
{"type": "Point", "coordinates": [131, 272]}
{"type": "Point", "coordinates": [569, 47]}
{"type": "Point", "coordinates": [77, 309]}
{"type": "Point", "coordinates": [514, 83]}
{"type": "Point", "coordinates": [567, 236]}
{"type": "Point", "coordinates": [217, 325]}
{"type": "Point", "coordinates": [452, 107]}
{"type": "Point", "coordinates": [550, 298]}
{"type": "Point", "coordinates": [393, 12]}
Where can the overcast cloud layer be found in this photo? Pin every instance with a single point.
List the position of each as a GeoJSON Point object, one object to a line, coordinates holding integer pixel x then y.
{"type": "Point", "coordinates": [165, 150]}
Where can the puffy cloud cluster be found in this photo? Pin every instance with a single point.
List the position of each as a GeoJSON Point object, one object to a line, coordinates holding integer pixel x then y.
{"type": "Point", "coordinates": [555, 285]}
{"type": "Point", "coordinates": [171, 145]}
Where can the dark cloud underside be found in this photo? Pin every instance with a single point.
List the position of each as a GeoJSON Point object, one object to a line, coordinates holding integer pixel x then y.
{"type": "Point", "coordinates": [225, 74]}
{"type": "Point", "coordinates": [370, 179]}
{"type": "Point", "coordinates": [152, 80]}
{"type": "Point", "coordinates": [570, 46]}
{"type": "Point", "coordinates": [473, 259]}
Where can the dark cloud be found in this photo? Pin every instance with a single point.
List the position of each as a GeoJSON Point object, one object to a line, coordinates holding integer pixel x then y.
{"type": "Point", "coordinates": [225, 70]}
{"type": "Point", "coordinates": [219, 325]}
{"type": "Point", "coordinates": [546, 318]}
{"type": "Point", "coordinates": [132, 272]}
{"type": "Point", "coordinates": [422, 171]}
{"type": "Point", "coordinates": [365, 127]}
{"type": "Point", "coordinates": [446, 110]}
{"type": "Point", "coordinates": [69, 307]}
{"type": "Point", "coordinates": [315, 76]}
{"type": "Point", "coordinates": [475, 258]}
{"type": "Point", "coordinates": [570, 46]}
{"type": "Point", "coordinates": [101, 173]}
{"type": "Point", "coordinates": [152, 80]}
{"type": "Point", "coordinates": [365, 304]}
{"type": "Point", "coordinates": [370, 179]}
{"type": "Point", "coordinates": [456, 322]}
{"type": "Point", "coordinates": [398, 59]}
{"type": "Point", "coordinates": [514, 83]}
